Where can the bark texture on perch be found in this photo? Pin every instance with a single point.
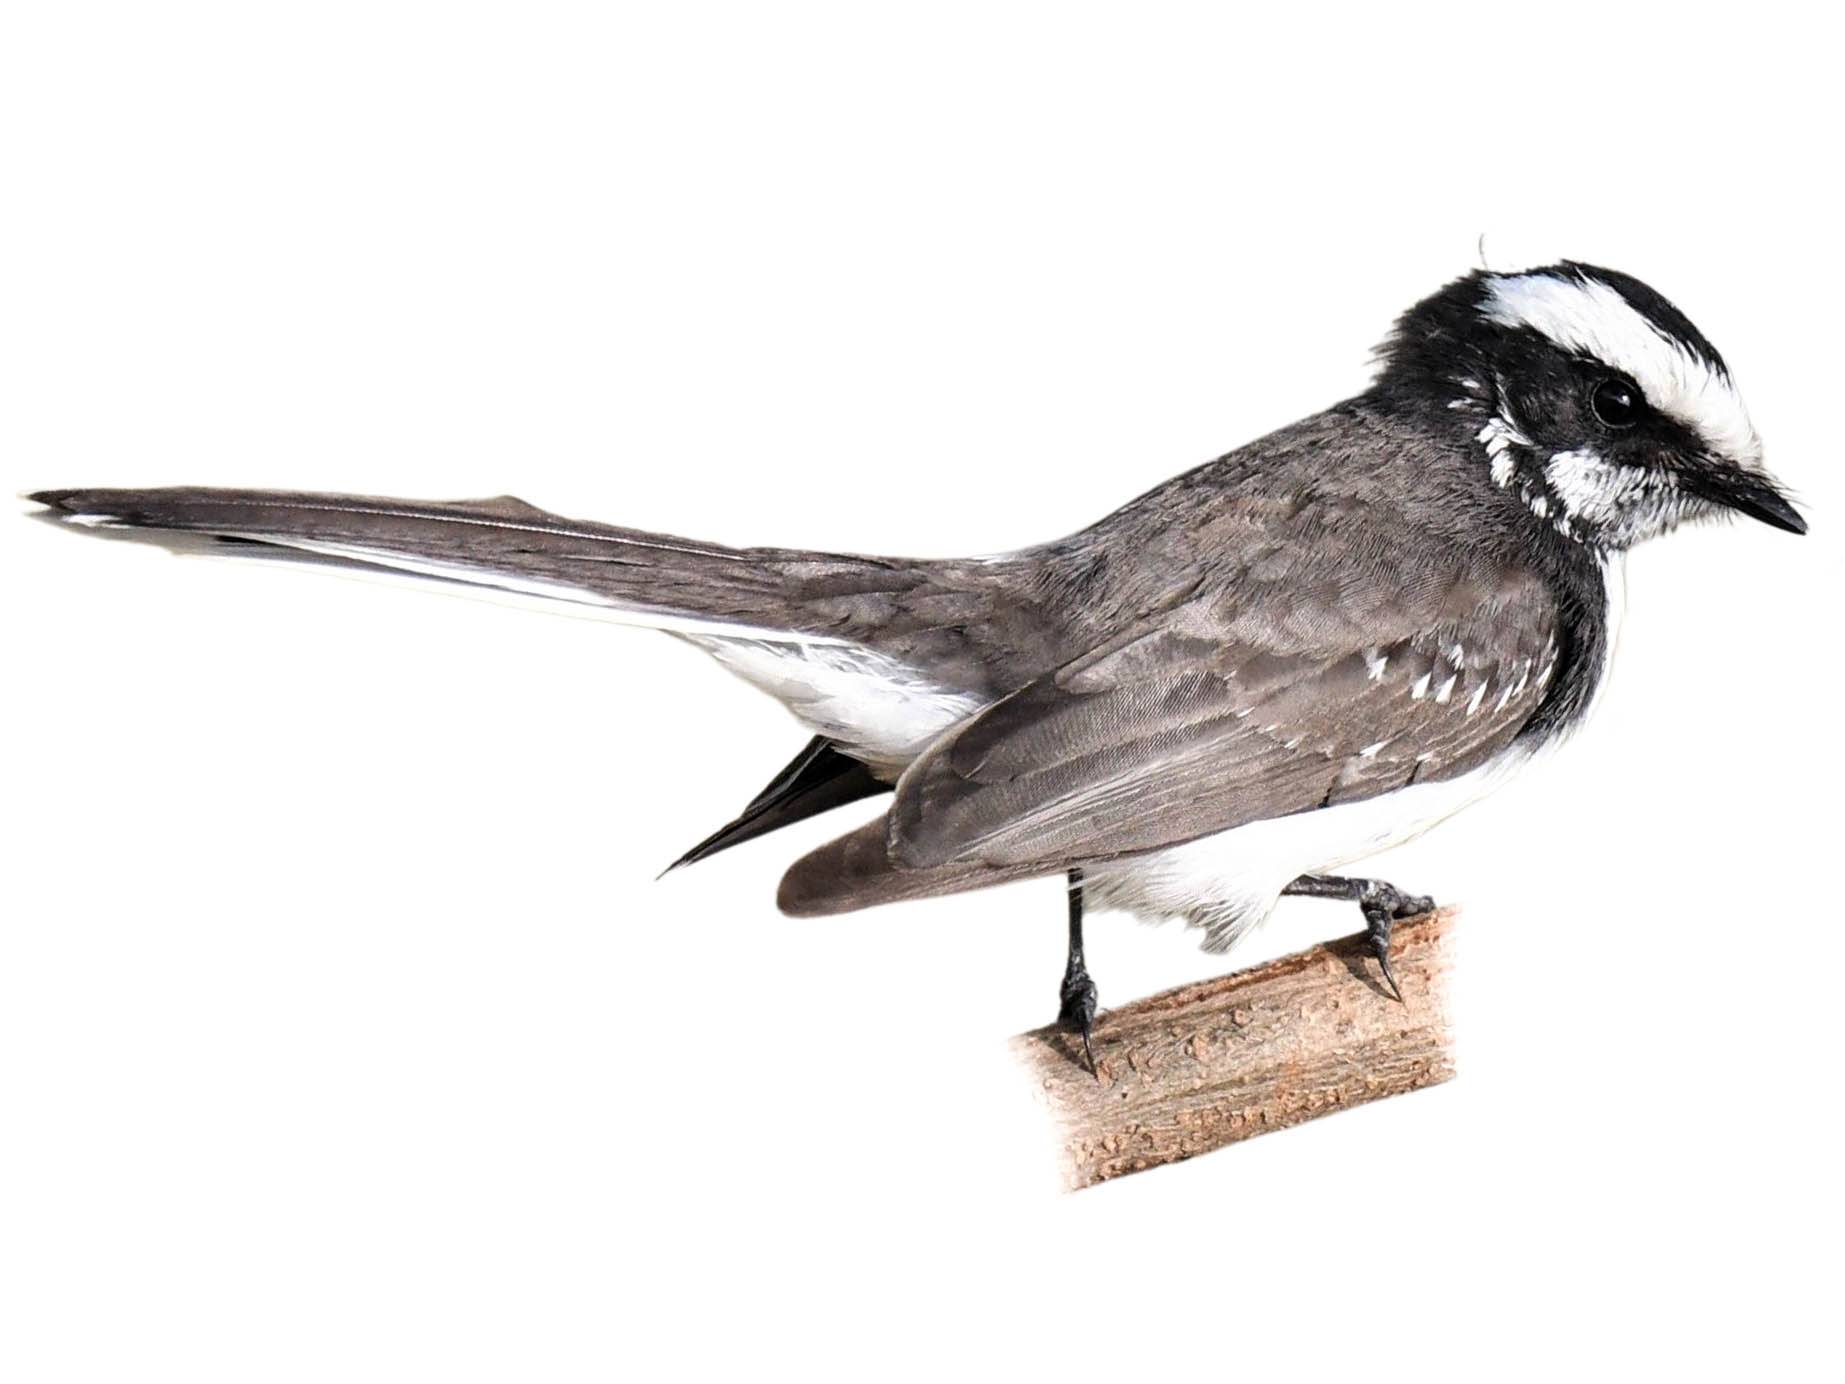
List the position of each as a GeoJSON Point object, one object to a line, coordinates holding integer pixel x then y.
{"type": "Point", "coordinates": [1193, 1069]}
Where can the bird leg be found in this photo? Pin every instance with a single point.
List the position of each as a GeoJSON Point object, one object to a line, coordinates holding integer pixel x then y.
{"type": "Point", "coordinates": [1077, 1011]}
{"type": "Point", "coordinates": [1381, 903]}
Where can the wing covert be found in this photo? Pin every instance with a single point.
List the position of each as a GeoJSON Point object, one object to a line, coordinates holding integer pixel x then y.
{"type": "Point", "coordinates": [1169, 734]}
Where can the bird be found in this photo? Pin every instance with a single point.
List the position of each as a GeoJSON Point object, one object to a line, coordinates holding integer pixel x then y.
{"type": "Point", "coordinates": [1227, 691]}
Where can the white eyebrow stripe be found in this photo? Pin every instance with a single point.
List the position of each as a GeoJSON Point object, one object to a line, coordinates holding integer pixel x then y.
{"type": "Point", "coordinates": [1587, 316]}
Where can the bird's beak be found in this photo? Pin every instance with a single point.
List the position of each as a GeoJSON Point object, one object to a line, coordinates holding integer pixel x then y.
{"type": "Point", "coordinates": [1746, 492]}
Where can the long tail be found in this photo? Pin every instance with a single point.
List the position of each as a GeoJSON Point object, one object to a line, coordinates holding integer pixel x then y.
{"type": "Point", "coordinates": [874, 655]}
{"type": "Point", "coordinates": [500, 545]}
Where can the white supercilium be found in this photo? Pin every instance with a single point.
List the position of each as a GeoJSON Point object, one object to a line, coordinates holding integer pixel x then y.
{"type": "Point", "coordinates": [1586, 316]}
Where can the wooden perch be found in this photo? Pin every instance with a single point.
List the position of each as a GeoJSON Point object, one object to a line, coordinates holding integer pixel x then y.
{"type": "Point", "coordinates": [1193, 1069]}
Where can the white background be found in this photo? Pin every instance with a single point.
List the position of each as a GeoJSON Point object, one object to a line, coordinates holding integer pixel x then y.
{"type": "Point", "coordinates": [343, 1030]}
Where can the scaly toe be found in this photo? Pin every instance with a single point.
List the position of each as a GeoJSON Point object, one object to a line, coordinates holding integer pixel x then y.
{"type": "Point", "coordinates": [1077, 1011]}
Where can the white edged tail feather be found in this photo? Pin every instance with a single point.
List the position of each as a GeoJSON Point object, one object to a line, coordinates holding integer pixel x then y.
{"type": "Point", "coordinates": [871, 705]}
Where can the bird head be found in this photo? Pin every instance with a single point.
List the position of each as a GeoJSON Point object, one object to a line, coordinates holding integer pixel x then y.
{"type": "Point", "coordinates": [1590, 398]}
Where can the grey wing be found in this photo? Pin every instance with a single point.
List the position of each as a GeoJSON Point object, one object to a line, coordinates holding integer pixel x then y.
{"type": "Point", "coordinates": [1167, 739]}
{"type": "Point", "coordinates": [1174, 732]}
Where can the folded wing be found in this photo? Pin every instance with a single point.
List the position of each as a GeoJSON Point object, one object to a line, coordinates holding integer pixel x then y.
{"type": "Point", "coordinates": [1179, 730]}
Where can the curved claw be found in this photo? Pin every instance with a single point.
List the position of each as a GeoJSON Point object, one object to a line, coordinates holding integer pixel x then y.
{"type": "Point", "coordinates": [1379, 916]}
{"type": "Point", "coordinates": [1383, 964]}
{"type": "Point", "coordinates": [1076, 1014]}
{"type": "Point", "coordinates": [1382, 905]}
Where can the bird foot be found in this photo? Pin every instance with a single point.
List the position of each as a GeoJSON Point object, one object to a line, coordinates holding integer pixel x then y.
{"type": "Point", "coordinates": [1076, 1013]}
{"type": "Point", "coordinates": [1382, 904]}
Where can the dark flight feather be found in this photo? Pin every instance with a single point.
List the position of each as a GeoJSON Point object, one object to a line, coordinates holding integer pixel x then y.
{"type": "Point", "coordinates": [816, 780]}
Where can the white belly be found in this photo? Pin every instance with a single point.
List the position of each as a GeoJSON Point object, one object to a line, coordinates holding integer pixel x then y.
{"type": "Point", "coordinates": [1228, 883]}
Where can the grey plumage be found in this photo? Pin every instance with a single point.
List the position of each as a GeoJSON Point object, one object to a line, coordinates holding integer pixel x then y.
{"type": "Point", "coordinates": [1391, 595]}
{"type": "Point", "coordinates": [813, 593]}
{"type": "Point", "coordinates": [1243, 686]}
{"type": "Point", "coordinates": [1140, 704]}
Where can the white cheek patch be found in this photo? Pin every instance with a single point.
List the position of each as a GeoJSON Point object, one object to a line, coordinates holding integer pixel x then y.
{"type": "Point", "coordinates": [1619, 504]}
{"type": "Point", "coordinates": [1587, 486]}
{"type": "Point", "coordinates": [1588, 317]}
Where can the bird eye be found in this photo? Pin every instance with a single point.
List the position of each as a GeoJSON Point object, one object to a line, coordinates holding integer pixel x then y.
{"type": "Point", "coordinates": [1616, 403]}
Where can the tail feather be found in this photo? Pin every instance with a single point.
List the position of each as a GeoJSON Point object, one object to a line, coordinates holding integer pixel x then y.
{"type": "Point", "coordinates": [501, 544]}
{"type": "Point", "coordinates": [876, 655]}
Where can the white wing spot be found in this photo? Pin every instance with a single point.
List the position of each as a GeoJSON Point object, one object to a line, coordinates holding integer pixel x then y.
{"type": "Point", "coordinates": [1524, 676]}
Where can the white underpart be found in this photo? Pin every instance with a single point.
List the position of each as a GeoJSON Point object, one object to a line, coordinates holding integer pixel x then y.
{"type": "Point", "coordinates": [1614, 612]}
{"type": "Point", "coordinates": [1587, 317]}
{"type": "Point", "coordinates": [1228, 884]}
{"type": "Point", "coordinates": [872, 706]}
